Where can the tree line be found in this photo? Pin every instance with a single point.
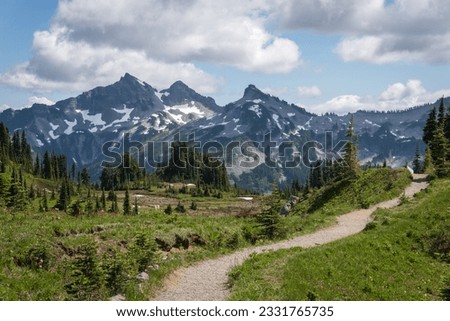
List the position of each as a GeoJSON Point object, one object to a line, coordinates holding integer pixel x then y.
{"type": "Point", "coordinates": [436, 136]}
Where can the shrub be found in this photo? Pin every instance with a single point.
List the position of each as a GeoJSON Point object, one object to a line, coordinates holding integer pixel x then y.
{"type": "Point", "coordinates": [445, 292]}
{"type": "Point", "coordinates": [116, 273]}
{"type": "Point", "coordinates": [439, 244]}
{"type": "Point", "coordinates": [142, 252]}
{"type": "Point", "coordinates": [37, 257]}
{"type": "Point", "coordinates": [180, 208]}
{"type": "Point", "coordinates": [86, 277]}
{"type": "Point", "coordinates": [168, 210]}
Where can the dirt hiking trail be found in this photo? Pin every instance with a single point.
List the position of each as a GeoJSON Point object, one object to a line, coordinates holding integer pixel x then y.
{"type": "Point", "coordinates": [206, 280]}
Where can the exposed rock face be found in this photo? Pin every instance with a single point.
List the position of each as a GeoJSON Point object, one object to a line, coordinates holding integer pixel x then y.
{"type": "Point", "coordinates": [79, 126]}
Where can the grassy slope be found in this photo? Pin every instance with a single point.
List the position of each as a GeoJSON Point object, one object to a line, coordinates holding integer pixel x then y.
{"type": "Point", "coordinates": [391, 260]}
{"type": "Point", "coordinates": [217, 221]}
{"type": "Point", "coordinates": [321, 206]}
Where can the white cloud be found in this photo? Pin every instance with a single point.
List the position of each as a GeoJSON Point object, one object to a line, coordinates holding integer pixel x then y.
{"type": "Point", "coordinates": [39, 100]}
{"type": "Point", "coordinates": [4, 107]}
{"type": "Point", "coordinates": [309, 92]}
{"type": "Point", "coordinates": [93, 42]}
{"type": "Point", "coordinates": [275, 91]}
{"type": "Point", "coordinates": [376, 32]}
{"type": "Point", "coordinates": [396, 96]}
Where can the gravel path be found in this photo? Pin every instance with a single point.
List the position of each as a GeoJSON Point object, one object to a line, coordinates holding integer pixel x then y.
{"type": "Point", "coordinates": [206, 280]}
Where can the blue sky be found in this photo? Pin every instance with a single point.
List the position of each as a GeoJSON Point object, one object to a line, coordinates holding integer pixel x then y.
{"type": "Point", "coordinates": [325, 55]}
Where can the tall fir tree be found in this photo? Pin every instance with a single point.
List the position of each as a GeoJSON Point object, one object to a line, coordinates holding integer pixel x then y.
{"type": "Point", "coordinates": [269, 219]}
{"type": "Point", "coordinates": [439, 150]}
{"type": "Point", "coordinates": [430, 127]}
{"type": "Point", "coordinates": [417, 168]}
{"type": "Point", "coordinates": [442, 114]}
{"type": "Point", "coordinates": [64, 195]}
{"type": "Point", "coordinates": [351, 164]}
{"type": "Point", "coordinates": [126, 203]}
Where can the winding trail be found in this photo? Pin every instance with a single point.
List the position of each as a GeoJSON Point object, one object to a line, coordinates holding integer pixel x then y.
{"type": "Point", "coordinates": [206, 280]}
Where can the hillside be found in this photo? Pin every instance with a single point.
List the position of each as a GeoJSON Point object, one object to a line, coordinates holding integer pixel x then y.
{"type": "Point", "coordinates": [402, 255]}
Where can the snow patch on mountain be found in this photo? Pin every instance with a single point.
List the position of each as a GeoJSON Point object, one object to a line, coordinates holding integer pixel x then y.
{"type": "Point", "coordinates": [276, 118]}
{"type": "Point", "coordinates": [71, 125]}
{"type": "Point", "coordinates": [95, 120]}
{"type": "Point", "coordinates": [39, 142]}
{"type": "Point", "coordinates": [371, 123]}
{"type": "Point", "coordinates": [257, 110]}
{"type": "Point", "coordinates": [53, 126]}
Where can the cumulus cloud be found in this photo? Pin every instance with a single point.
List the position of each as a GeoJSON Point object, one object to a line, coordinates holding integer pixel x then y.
{"type": "Point", "coordinates": [39, 100]}
{"type": "Point", "coordinates": [376, 32]}
{"type": "Point", "coordinates": [94, 42]}
{"type": "Point", "coordinates": [396, 96]}
{"type": "Point", "coordinates": [309, 92]}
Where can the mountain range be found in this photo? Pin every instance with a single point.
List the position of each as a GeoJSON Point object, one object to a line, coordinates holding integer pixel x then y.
{"type": "Point", "coordinates": [79, 126]}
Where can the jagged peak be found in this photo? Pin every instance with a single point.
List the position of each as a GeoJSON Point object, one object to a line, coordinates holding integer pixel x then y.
{"type": "Point", "coordinates": [252, 92]}
{"type": "Point", "coordinates": [128, 78]}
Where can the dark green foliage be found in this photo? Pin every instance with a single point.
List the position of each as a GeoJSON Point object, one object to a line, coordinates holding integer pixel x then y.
{"type": "Point", "coordinates": [417, 166]}
{"type": "Point", "coordinates": [430, 127]}
{"type": "Point", "coordinates": [17, 195]}
{"type": "Point", "coordinates": [37, 257]}
{"type": "Point", "coordinates": [438, 244]}
{"type": "Point", "coordinates": [437, 137]}
{"type": "Point", "coordinates": [168, 210]}
{"type": "Point", "coordinates": [127, 203]}
{"type": "Point", "coordinates": [441, 118]}
{"type": "Point", "coordinates": [142, 252]}
{"type": "Point", "coordinates": [445, 292]}
{"type": "Point", "coordinates": [85, 177]}
{"type": "Point", "coordinates": [193, 206]}
{"type": "Point", "coordinates": [180, 208]}
{"type": "Point", "coordinates": [269, 219]}
{"type": "Point", "coordinates": [64, 195]}
{"type": "Point", "coordinates": [116, 271]}
{"type": "Point", "coordinates": [350, 166]}
{"type": "Point", "coordinates": [187, 164]}
{"type": "Point", "coordinates": [128, 173]}
{"type": "Point", "coordinates": [85, 275]}
{"type": "Point", "coordinates": [75, 208]}
{"type": "Point", "coordinates": [103, 200]}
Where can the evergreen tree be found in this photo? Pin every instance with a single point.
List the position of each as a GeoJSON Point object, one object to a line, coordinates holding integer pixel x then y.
{"type": "Point", "coordinates": [85, 178]}
{"type": "Point", "coordinates": [351, 164]}
{"type": "Point", "coordinates": [47, 168]}
{"type": "Point", "coordinates": [430, 127]}
{"type": "Point", "coordinates": [103, 200]}
{"type": "Point", "coordinates": [25, 153]}
{"type": "Point", "coordinates": [17, 193]}
{"type": "Point", "coordinates": [168, 210]}
{"type": "Point", "coordinates": [64, 196]}
{"type": "Point", "coordinates": [126, 203]}
{"type": "Point", "coordinates": [45, 202]}
{"type": "Point", "coordinates": [416, 162]}
{"type": "Point", "coordinates": [447, 124]}
{"type": "Point", "coordinates": [136, 207]}
{"type": "Point", "coordinates": [269, 219]}
{"type": "Point", "coordinates": [37, 166]}
{"type": "Point", "coordinates": [73, 171]}
{"type": "Point", "coordinates": [439, 150]}
{"type": "Point", "coordinates": [442, 114]}
{"type": "Point", "coordinates": [16, 153]}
